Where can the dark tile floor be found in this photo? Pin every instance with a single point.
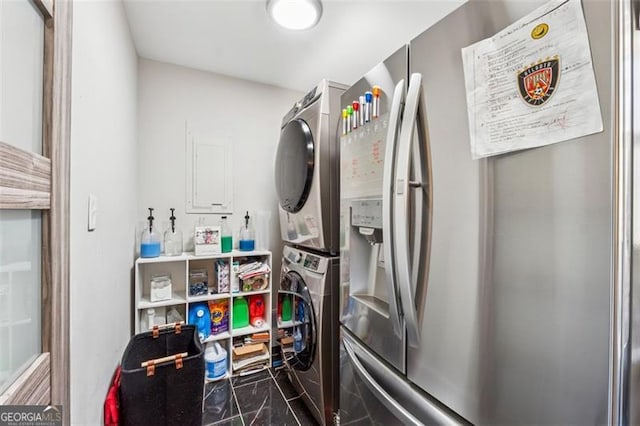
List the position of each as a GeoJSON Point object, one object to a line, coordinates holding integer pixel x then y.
{"type": "Point", "coordinates": [264, 398]}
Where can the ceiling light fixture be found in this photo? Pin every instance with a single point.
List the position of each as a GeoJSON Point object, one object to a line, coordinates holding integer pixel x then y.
{"type": "Point", "coordinates": [295, 14]}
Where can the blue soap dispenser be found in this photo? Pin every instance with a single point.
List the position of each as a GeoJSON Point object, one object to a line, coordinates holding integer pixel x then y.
{"type": "Point", "coordinates": [247, 235]}
{"type": "Point", "coordinates": [150, 240]}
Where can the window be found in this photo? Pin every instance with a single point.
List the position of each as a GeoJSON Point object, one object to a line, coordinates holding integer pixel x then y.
{"type": "Point", "coordinates": [21, 90]}
{"type": "Point", "coordinates": [35, 48]}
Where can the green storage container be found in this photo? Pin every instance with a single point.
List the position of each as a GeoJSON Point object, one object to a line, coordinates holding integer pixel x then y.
{"type": "Point", "coordinates": [240, 312]}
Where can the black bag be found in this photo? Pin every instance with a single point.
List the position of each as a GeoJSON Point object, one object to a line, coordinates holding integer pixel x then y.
{"type": "Point", "coordinates": [165, 392]}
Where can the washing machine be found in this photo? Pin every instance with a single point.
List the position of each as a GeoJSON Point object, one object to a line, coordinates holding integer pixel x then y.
{"type": "Point", "coordinates": [308, 324]}
{"type": "Point", "coordinates": [307, 170]}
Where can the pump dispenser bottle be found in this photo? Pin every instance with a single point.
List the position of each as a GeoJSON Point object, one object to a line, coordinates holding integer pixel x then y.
{"type": "Point", "coordinates": [247, 235]}
{"type": "Point", "coordinates": [172, 238]}
{"type": "Point", "coordinates": [150, 240]}
{"type": "Point", "coordinates": [225, 236]}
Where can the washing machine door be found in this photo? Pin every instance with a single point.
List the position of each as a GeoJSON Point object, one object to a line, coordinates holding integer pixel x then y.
{"type": "Point", "coordinates": [299, 322]}
{"type": "Point", "coordinates": [294, 165]}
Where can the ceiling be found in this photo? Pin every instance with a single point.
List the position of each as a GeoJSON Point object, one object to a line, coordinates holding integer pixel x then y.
{"type": "Point", "coordinates": [237, 38]}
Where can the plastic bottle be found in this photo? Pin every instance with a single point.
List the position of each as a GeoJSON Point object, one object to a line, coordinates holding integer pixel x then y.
{"type": "Point", "coordinates": [225, 236]}
{"type": "Point", "coordinates": [300, 311]}
{"type": "Point", "coordinates": [200, 316]}
{"type": "Point", "coordinates": [151, 313]}
{"type": "Point", "coordinates": [256, 310]}
{"type": "Point", "coordinates": [292, 233]}
{"type": "Point", "coordinates": [286, 308]}
{"type": "Point", "coordinates": [247, 240]}
{"type": "Point", "coordinates": [150, 240]}
{"type": "Point", "coordinates": [172, 238]}
{"type": "Point", "coordinates": [215, 357]}
{"type": "Point", "coordinates": [240, 312]}
{"type": "Point", "coordinates": [297, 340]}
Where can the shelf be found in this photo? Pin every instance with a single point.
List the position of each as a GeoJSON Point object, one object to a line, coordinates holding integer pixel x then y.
{"type": "Point", "coordinates": [162, 259]}
{"type": "Point", "coordinates": [249, 293]}
{"type": "Point", "coordinates": [290, 323]}
{"type": "Point", "coordinates": [179, 268]}
{"type": "Point", "coordinates": [214, 337]}
{"type": "Point", "coordinates": [238, 253]}
{"type": "Point", "coordinates": [252, 370]}
{"type": "Point", "coordinates": [145, 303]}
{"type": "Point", "coordinates": [250, 330]}
{"type": "Point", "coordinates": [207, 297]}
{"type": "Point", "coordinates": [234, 253]}
{"type": "Point", "coordinates": [191, 256]}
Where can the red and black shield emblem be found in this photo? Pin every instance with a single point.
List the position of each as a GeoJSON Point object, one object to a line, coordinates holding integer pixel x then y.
{"type": "Point", "coordinates": [537, 83]}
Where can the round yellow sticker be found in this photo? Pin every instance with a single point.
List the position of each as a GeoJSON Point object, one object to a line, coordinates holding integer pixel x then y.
{"type": "Point", "coordinates": [539, 31]}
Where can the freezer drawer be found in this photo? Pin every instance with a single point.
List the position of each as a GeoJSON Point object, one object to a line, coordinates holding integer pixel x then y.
{"type": "Point", "coordinates": [373, 393]}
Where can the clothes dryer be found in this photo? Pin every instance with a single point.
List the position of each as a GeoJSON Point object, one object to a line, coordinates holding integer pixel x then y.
{"type": "Point", "coordinates": [310, 328]}
{"type": "Point", "coordinates": [307, 170]}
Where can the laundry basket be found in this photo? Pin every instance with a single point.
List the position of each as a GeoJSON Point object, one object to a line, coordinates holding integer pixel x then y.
{"type": "Point", "coordinates": [162, 378]}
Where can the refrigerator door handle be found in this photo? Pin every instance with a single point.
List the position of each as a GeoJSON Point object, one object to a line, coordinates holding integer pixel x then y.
{"type": "Point", "coordinates": [391, 404]}
{"type": "Point", "coordinates": [393, 131]}
{"type": "Point", "coordinates": [405, 188]}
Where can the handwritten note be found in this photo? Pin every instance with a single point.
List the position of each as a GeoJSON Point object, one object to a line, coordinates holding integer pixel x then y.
{"type": "Point", "coordinates": [532, 84]}
{"type": "Point", "coordinates": [362, 160]}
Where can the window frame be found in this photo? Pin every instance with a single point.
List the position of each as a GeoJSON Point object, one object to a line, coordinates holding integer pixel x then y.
{"type": "Point", "coordinates": [41, 182]}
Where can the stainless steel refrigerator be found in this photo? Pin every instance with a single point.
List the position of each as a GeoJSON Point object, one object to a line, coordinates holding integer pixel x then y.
{"type": "Point", "coordinates": [490, 291]}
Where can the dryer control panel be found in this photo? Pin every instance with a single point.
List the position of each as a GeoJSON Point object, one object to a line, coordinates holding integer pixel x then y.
{"type": "Point", "coordinates": [308, 99]}
{"type": "Point", "coordinates": [309, 261]}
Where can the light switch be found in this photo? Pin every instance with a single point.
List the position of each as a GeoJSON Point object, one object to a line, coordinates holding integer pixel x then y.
{"type": "Point", "coordinates": [93, 212]}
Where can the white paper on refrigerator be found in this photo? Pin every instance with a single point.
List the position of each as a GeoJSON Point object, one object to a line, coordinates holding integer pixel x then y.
{"type": "Point", "coordinates": [532, 84]}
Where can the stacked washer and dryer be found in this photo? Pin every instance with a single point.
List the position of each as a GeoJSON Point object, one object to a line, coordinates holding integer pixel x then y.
{"type": "Point", "coordinates": [307, 182]}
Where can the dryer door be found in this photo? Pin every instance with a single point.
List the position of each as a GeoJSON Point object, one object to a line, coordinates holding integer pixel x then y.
{"type": "Point", "coordinates": [294, 165]}
{"type": "Point", "coordinates": [296, 318]}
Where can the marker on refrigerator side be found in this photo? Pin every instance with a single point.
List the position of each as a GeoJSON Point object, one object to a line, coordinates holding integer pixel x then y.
{"type": "Point", "coordinates": [368, 96]}
{"type": "Point", "coordinates": [356, 113]}
{"type": "Point", "coordinates": [362, 108]}
{"type": "Point", "coordinates": [350, 114]}
{"type": "Point", "coordinates": [376, 101]}
{"type": "Point", "coordinates": [345, 123]}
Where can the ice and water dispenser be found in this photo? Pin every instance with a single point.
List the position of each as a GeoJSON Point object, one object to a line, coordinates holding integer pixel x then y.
{"type": "Point", "coordinates": [368, 284]}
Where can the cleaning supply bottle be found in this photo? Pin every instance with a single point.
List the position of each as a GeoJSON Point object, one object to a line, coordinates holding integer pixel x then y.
{"type": "Point", "coordinates": [256, 310]}
{"type": "Point", "coordinates": [247, 235]}
{"type": "Point", "coordinates": [200, 316]}
{"type": "Point", "coordinates": [172, 238]}
{"type": "Point", "coordinates": [150, 240]}
{"type": "Point", "coordinates": [240, 312]}
{"type": "Point", "coordinates": [225, 236]}
{"type": "Point", "coordinates": [151, 321]}
{"type": "Point", "coordinates": [286, 308]}
{"type": "Point", "coordinates": [300, 311]}
{"type": "Point", "coordinates": [297, 340]}
{"type": "Point", "coordinates": [215, 358]}
{"type": "Point", "coordinates": [219, 316]}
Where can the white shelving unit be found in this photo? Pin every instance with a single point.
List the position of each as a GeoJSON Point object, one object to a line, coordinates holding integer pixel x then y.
{"type": "Point", "coordinates": [178, 267]}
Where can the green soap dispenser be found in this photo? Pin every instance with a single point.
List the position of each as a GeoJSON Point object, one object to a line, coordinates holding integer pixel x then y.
{"type": "Point", "coordinates": [240, 312]}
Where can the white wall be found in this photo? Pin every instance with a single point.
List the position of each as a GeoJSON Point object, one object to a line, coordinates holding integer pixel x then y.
{"type": "Point", "coordinates": [245, 114]}
{"type": "Point", "coordinates": [104, 162]}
